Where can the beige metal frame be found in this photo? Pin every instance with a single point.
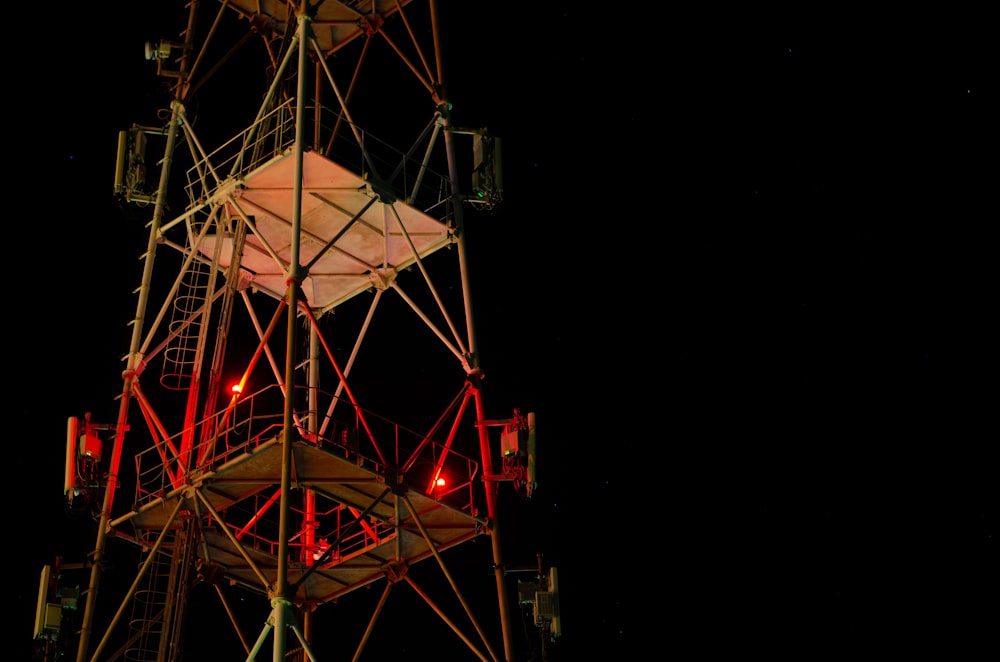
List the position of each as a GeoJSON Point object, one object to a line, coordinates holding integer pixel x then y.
{"type": "Point", "coordinates": [299, 493]}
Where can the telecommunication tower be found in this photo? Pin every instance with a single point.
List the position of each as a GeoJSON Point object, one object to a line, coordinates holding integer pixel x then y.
{"type": "Point", "coordinates": [301, 412]}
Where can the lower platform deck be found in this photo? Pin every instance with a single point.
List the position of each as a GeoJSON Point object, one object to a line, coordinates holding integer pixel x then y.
{"type": "Point", "coordinates": [359, 529]}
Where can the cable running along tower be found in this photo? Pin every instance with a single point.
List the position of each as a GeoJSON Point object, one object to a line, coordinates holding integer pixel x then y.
{"type": "Point", "coordinates": [301, 412]}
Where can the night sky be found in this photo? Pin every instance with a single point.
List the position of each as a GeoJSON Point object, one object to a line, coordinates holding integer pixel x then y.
{"type": "Point", "coordinates": [740, 273]}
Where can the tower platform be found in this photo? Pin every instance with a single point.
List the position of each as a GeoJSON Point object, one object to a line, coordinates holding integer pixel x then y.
{"type": "Point", "coordinates": [364, 548]}
{"type": "Point", "coordinates": [353, 234]}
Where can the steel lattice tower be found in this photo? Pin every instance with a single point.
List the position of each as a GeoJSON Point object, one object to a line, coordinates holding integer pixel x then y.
{"type": "Point", "coordinates": [302, 393]}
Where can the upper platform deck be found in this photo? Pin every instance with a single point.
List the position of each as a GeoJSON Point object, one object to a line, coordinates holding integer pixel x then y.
{"type": "Point", "coordinates": [335, 23]}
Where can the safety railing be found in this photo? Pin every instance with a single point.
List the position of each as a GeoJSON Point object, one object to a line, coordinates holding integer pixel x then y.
{"type": "Point", "coordinates": [425, 466]}
{"type": "Point", "coordinates": [409, 176]}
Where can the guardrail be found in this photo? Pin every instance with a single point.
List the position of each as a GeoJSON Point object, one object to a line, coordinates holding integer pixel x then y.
{"type": "Point", "coordinates": [412, 181]}
{"type": "Point", "coordinates": [256, 419]}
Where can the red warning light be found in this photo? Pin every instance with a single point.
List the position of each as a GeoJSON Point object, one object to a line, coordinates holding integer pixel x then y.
{"type": "Point", "coordinates": [439, 482]}
{"type": "Point", "coordinates": [236, 389]}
